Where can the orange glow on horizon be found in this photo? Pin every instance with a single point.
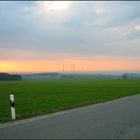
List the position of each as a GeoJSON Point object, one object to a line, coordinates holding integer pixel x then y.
{"type": "Point", "coordinates": [88, 64]}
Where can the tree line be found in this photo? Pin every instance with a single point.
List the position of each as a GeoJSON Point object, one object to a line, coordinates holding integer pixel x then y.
{"type": "Point", "coordinates": [126, 76]}
{"type": "Point", "coordinates": [10, 77]}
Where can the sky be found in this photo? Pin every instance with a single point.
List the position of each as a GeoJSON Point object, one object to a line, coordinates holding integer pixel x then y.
{"type": "Point", "coordinates": [45, 36]}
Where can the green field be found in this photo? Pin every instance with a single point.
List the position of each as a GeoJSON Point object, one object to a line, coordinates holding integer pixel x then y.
{"type": "Point", "coordinates": [41, 96]}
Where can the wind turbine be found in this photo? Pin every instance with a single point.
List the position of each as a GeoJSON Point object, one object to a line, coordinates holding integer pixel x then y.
{"type": "Point", "coordinates": [63, 68]}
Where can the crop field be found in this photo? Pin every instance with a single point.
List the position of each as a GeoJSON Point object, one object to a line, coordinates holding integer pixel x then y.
{"type": "Point", "coordinates": [42, 96]}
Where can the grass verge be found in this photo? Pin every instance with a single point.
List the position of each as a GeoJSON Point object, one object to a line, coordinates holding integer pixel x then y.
{"type": "Point", "coordinates": [43, 96]}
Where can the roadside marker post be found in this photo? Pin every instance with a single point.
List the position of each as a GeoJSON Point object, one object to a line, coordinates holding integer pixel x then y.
{"type": "Point", "coordinates": [12, 104]}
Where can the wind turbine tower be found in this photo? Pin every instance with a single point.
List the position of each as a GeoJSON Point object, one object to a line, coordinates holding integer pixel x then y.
{"type": "Point", "coordinates": [73, 68]}
{"type": "Point", "coordinates": [63, 68]}
{"type": "Point", "coordinates": [82, 69]}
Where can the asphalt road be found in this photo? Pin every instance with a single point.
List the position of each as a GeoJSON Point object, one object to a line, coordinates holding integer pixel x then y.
{"type": "Point", "coordinates": [111, 120]}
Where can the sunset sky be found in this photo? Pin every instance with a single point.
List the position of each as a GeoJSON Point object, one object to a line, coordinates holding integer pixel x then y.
{"type": "Point", "coordinates": [42, 36]}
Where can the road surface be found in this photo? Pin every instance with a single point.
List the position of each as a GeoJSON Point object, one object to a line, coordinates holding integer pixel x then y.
{"type": "Point", "coordinates": [110, 120]}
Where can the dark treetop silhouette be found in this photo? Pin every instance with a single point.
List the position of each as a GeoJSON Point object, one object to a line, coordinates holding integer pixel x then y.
{"type": "Point", "coordinates": [9, 77]}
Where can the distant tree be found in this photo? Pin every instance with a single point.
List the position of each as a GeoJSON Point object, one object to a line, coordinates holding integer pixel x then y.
{"type": "Point", "coordinates": [125, 76]}
{"type": "Point", "coordinates": [9, 77]}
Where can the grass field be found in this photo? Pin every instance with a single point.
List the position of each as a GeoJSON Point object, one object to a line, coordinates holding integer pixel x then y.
{"type": "Point", "coordinates": [41, 96]}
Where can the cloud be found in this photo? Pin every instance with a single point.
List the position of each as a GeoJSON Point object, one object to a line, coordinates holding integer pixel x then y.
{"type": "Point", "coordinates": [137, 27]}
{"type": "Point", "coordinates": [100, 10]}
{"type": "Point", "coordinates": [84, 29]}
{"type": "Point", "coordinates": [123, 13]}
